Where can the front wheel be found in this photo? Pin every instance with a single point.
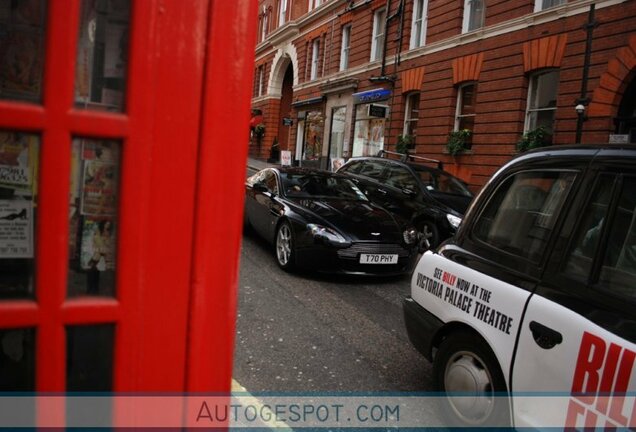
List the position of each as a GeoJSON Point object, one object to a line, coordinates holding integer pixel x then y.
{"type": "Point", "coordinates": [467, 371]}
{"type": "Point", "coordinates": [284, 246]}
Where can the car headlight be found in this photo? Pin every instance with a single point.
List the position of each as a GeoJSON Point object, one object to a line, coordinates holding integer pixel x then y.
{"type": "Point", "coordinates": [319, 231]}
{"type": "Point", "coordinates": [453, 220]}
{"type": "Point", "coordinates": [410, 236]}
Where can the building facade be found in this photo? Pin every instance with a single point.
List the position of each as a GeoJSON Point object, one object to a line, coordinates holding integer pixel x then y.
{"type": "Point", "coordinates": [463, 81]}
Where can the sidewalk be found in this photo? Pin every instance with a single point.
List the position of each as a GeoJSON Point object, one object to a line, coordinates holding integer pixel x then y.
{"type": "Point", "coordinates": [254, 165]}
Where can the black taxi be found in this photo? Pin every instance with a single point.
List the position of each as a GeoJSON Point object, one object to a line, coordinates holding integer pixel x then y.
{"type": "Point", "coordinates": [528, 313]}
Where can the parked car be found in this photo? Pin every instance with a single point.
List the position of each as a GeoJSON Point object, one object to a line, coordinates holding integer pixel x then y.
{"type": "Point", "coordinates": [321, 221]}
{"type": "Point", "coordinates": [431, 198]}
{"type": "Point", "coordinates": [536, 294]}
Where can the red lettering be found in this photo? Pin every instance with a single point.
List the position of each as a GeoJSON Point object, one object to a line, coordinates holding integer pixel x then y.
{"type": "Point", "coordinates": [590, 420]}
{"type": "Point", "coordinates": [622, 380]}
{"type": "Point", "coordinates": [589, 361]}
{"type": "Point", "coordinates": [607, 381]}
{"type": "Point", "coordinates": [574, 411]}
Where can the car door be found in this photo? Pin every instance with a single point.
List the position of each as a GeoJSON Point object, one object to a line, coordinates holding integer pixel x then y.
{"type": "Point", "coordinates": [265, 209]}
{"type": "Point", "coordinates": [400, 192]}
{"type": "Point", "coordinates": [578, 335]}
{"type": "Point", "coordinates": [368, 175]}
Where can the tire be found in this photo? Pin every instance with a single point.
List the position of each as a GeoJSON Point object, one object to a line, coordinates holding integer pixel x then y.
{"type": "Point", "coordinates": [465, 364]}
{"type": "Point", "coordinates": [429, 235]}
{"type": "Point", "coordinates": [284, 246]}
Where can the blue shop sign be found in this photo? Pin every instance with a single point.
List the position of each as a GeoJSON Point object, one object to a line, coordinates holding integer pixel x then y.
{"type": "Point", "coordinates": [371, 96]}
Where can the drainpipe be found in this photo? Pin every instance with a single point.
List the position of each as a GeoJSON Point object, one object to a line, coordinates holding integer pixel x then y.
{"type": "Point", "coordinates": [583, 101]}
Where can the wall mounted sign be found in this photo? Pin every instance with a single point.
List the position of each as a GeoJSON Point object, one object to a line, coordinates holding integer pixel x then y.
{"type": "Point", "coordinates": [371, 96]}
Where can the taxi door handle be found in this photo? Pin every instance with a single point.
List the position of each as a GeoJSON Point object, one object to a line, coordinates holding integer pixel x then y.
{"type": "Point", "coordinates": [382, 191]}
{"type": "Point", "coordinates": [544, 336]}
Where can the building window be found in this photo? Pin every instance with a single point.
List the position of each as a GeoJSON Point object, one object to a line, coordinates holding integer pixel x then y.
{"type": "Point", "coordinates": [541, 106]}
{"type": "Point", "coordinates": [473, 15]}
{"type": "Point", "coordinates": [465, 111]}
{"type": "Point", "coordinates": [418, 28]}
{"type": "Point", "coordinates": [377, 43]}
{"type": "Point", "coordinates": [315, 56]}
{"type": "Point", "coordinates": [265, 23]}
{"type": "Point", "coordinates": [261, 76]}
{"type": "Point", "coordinates": [344, 49]}
{"type": "Point", "coordinates": [540, 5]}
{"type": "Point", "coordinates": [282, 12]}
{"type": "Point", "coordinates": [411, 114]}
{"type": "Point", "coordinates": [313, 4]}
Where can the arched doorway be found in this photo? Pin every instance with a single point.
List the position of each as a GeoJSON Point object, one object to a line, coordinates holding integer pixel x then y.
{"type": "Point", "coordinates": [287, 93]}
{"type": "Point", "coordinates": [626, 119]}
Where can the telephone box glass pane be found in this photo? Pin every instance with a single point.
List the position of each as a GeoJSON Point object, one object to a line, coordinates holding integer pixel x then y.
{"type": "Point", "coordinates": [21, 49]}
{"type": "Point", "coordinates": [102, 54]}
{"type": "Point", "coordinates": [89, 357]}
{"type": "Point", "coordinates": [19, 154]}
{"type": "Point", "coordinates": [17, 360]}
{"type": "Point", "coordinates": [93, 217]}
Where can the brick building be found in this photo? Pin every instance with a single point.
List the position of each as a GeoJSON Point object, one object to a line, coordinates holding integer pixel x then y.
{"type": "Point", "coordinates": [336, 79]}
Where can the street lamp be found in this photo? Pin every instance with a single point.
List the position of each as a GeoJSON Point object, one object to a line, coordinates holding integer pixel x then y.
{"type": "Point", "coordinates": [580, 109]}
{"type": "Point", "coordinates": [581, 117]}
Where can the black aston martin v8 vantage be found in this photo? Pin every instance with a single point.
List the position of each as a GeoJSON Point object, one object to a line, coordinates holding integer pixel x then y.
{"type": "Point", "coordinates": [321, 221]}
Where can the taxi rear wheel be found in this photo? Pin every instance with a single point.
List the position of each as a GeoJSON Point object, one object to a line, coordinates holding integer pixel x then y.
{"type": "Point", "coordinates": [466, 369]}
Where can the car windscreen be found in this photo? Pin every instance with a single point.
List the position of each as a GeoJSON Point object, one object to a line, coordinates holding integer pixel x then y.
{"type": "Point", "coordinates": [438, 181]}
{"type": "Point", "coordinates": [315, 185]}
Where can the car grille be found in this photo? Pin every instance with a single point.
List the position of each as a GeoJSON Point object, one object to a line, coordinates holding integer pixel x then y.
{"type": "Point", "coordinates": [354, 251]}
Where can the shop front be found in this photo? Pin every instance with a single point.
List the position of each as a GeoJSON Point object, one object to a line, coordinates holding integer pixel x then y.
{"type": "Point", "coordinates": [371, 115]}
{"type": "Point", "coordinates": [310, 133]}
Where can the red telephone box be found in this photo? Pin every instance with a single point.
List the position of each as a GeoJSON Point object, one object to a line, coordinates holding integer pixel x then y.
{"type": "Point", "coordinates": [123, 140]}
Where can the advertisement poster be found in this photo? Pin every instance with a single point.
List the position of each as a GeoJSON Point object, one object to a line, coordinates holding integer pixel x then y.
{"type": "Point", "coordinates": [85, 51]}
{"type": "Point", "coordinates": [100, 178]}
{"type": "Point", "coordinates": [17, 159]}
{"type": "Point", "coordinates": [16, 229]}
{"type": "Point", "coordinates": [99, 194]}
{"type": "Point", "coordinates": [98, 245]}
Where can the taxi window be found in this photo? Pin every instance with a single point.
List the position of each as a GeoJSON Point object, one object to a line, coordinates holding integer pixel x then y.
{"type": "Point", "coordinates": [618, 272]}
{"type": "Point", "coordinates": [521, 216]}
{"type": "Point", "coordinates": [578, 264]}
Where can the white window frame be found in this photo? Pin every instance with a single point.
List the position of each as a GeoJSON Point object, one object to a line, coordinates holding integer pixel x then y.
{"type": "Point", "coordinates": [419, 23]}
{"type": "Point", "coordinates": [379, 33]}
{"type": "Point", "coordinates": [315, 57]}
{"type": "Point", "coordinates": [538, 5]}
{"type": "Point", "coordinates": [313, 4]}
{"type": "Point", "coordinates": [345, 46]}
{"type": "Point", "coordinates": [265, 22]}
{"type": "Point", "coordinates": [408, 107]}
{"type": "Point", "coordinates": [282, 12]}
{"type": "Point", "coordinates": [468, 13]}
{"type": "Point", "coordinates": [460, 102]}
{"type": "Point", "coordinates": [261, 76]}
{"type": "Point", "coordinates": [529, 124]}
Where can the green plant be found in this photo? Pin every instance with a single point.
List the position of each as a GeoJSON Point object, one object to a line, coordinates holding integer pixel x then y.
{"type": "Point", "coordinates": [404, 143]}
{"type": "Point", "coordinates": [535, 138]}
{"type": "Point", "coordinates": [458, 141]}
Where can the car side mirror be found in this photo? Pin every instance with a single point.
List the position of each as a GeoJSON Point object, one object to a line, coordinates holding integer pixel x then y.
{"type": "Point", "coordinates": [260, 187]}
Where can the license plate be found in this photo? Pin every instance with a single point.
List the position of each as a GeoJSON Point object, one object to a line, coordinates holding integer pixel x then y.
{"type": "Point", "coordinates": [378, 258]}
